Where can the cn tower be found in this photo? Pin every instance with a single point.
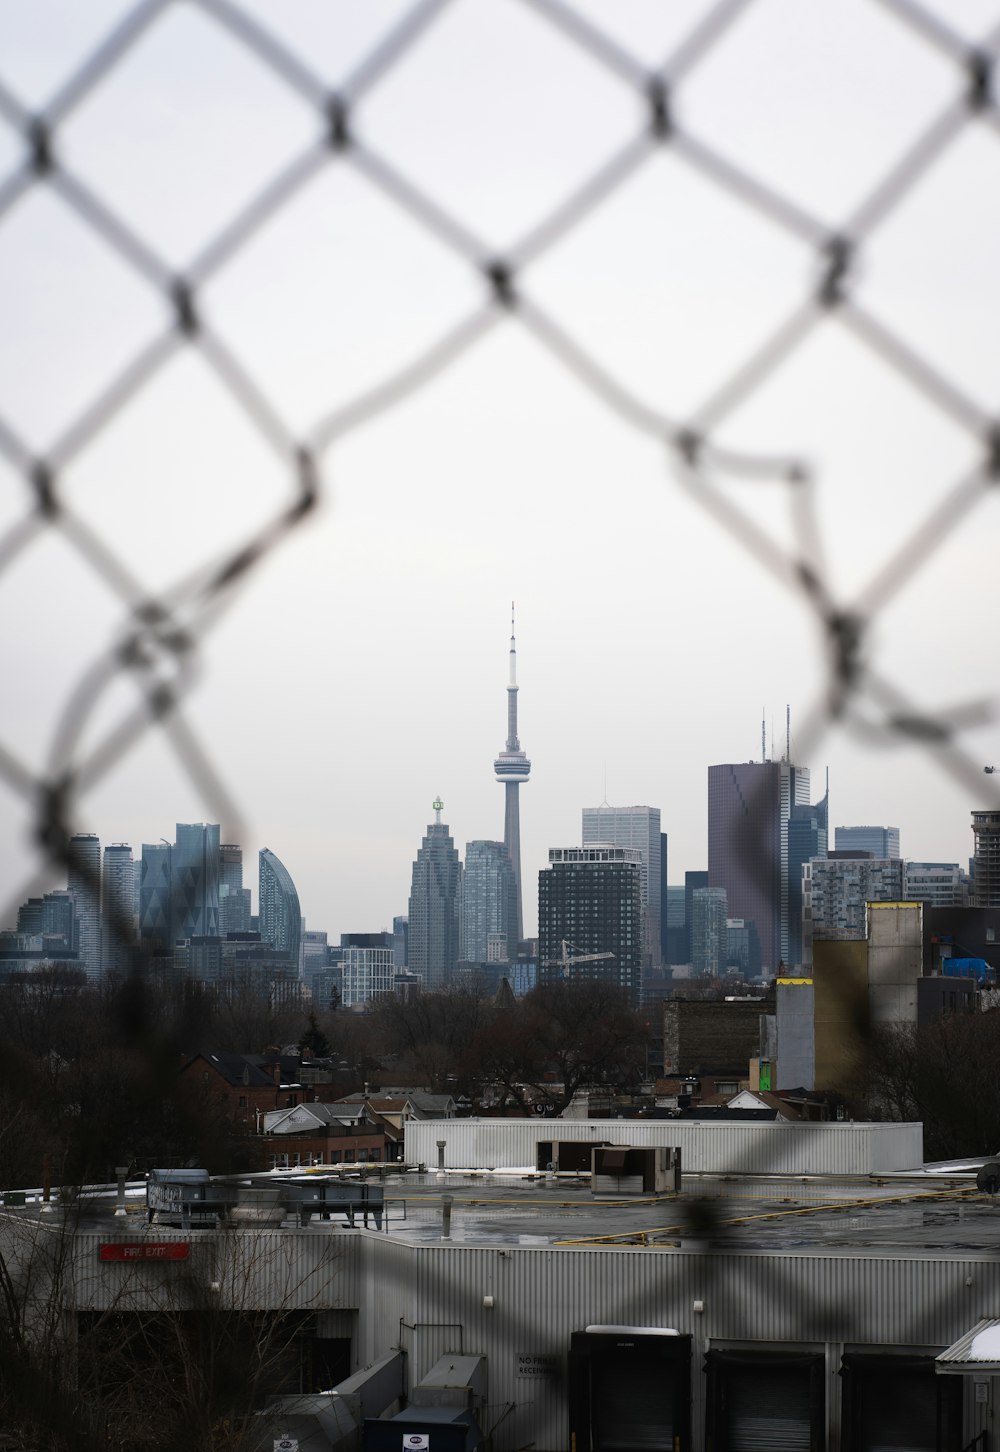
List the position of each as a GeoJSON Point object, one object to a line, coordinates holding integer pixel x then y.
{"type": "Point", "coordinates": [512, 768]}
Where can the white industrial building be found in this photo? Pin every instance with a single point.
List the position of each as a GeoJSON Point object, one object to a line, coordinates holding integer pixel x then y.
{"type": "Point", "coordinates": [830, 1299]}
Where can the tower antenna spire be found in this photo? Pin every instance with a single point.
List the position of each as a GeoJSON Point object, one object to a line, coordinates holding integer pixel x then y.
{"type": "Point", "coordinates": [512, 767]}
{"type": "Point", "coordinates": [788, 732]}
{"type": "Point", "coordinates": [763, 733]}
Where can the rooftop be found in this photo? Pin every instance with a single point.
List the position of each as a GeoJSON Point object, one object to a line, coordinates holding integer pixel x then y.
{"type": "Point", "coordinates": [937, 1212]}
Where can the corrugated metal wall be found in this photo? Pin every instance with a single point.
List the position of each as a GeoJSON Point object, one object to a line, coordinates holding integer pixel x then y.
{"type": "Point", "coordinates": [542, 1295]}
{"type": "Point", "coordinates": [253, 1268]}
{"type": "Point", "coordinates": [726, 1148]}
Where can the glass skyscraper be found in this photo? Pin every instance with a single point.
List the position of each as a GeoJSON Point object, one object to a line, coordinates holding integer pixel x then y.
{"type": "Point", "coordinates": [278, 908]}
{"type": "Point", "coordinates": [195, 880]}
{"type": "Point", "coordinates": [434, 906]}
{"type": "Point", "coordinates": [84, 887]}
{"type": "Point", "coordinates": [749, 810]}
{"type": "Point", "coordinates": [117, 908]}
{"type": "Point", "coordinates": [489, 902]}
{"type": "Point", "coordinates": [637, 827]}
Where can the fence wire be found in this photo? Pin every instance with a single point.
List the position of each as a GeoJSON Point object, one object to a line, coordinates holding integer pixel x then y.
{"type": "Point", "coordinates": [158, 646]}
{"type": "Point", "coordinates": [161, 632]}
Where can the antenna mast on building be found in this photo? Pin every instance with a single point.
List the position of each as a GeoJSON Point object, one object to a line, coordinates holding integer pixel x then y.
{"type": "Point", "coordinates": [788, 733]}
{"type": "Point", "coordinates": [763, 734]}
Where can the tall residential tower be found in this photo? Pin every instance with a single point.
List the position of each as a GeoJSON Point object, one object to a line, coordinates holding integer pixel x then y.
{"type": "Point", "coordinates": [512, 768]}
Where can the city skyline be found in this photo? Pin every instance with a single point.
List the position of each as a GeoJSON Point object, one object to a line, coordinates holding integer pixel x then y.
{"type": "Point", "coordinates": [324, 706]}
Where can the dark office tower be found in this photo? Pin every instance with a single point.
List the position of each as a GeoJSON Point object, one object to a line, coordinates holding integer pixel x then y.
{"type": "Point", "coordinates": [84, 887]}
{"type": "Point", "coordinates": [749, 809]}
{"type": "Point", "coordinates": [231, 866]}
{"type": "Point", "coordinates": [434, 904]}
{"type": "Point", "coordinates": [117, 917]}
{"type": "Point", "coordinates": [196, 880]}
{"type": "Point", "coordinates": [637, 827]}
{"type": "Point", "coordinates": [591, 898]}
{"type": "Point", "coordinates": [807, 840]}
{"type": "Point", "coordinates": [986, 860]}
{"type": "Point", "coordinates": [881, 842]}
{"type": "Point", "coordinates": [692, 882]}
{"type": "Point", "coordinates": [489, 905]}
{"type": "Point", "coordinates": [512, 768]}
{"type": "Point", "coordinates": [279, 911]}
{"type": "Point", "coordinates": [156, 912]}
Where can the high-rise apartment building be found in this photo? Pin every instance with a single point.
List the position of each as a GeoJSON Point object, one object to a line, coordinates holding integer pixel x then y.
{"type": "Point", "coordinates": [940, 884]}
{"type": "Point", "coordinates": [279, 913]}
{"type": "Point", "coordinates": [836, 891]}
{"type": "Point", "coordinates": [489, 904]}
{"type": "Point", "coordinates": [881, 842]}
{"type": "Point", "coordinates": [986, 859]}
{"type": "Point", "coordinates": [433, 933]}
{"type": "Point", "coordinates": [230, 866]}
{"type": "Point", "coordinates": [637, 827]}
{"type": "Point", "coordinates": [117, 908]}
{"type": "Point", "coordinates": [709, 931]}
{"type": "Point", "coordinates": [195, 880]}
{"type": "Point", "coordinates": [591, 898]}
{"type": "Point", "coordinates": [366, 974]}
{"type": "Point", "coordinates": [749, 810]}
{"type": "Point", "coordinates": [234, 910]}
{"type": "Point", "coordinates": [84, 887]}
{"type": "Point", "coordinates": [512, 768]}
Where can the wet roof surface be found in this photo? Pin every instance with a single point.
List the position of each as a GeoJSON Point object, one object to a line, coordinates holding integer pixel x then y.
{"type": "Point", "coordinates": [820, 1215]}
{"type": "Point", "coordinates": [941, 1215]}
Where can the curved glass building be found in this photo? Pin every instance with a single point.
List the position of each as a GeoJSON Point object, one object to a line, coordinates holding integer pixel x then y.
{"type": "Point", "coordinates": [280, 913]}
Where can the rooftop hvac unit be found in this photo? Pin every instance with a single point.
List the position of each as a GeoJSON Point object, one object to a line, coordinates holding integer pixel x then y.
{"type": "Point", "coordinates": [626, 1170]}
{"type": "Point", "coordinates": [187, 1196]}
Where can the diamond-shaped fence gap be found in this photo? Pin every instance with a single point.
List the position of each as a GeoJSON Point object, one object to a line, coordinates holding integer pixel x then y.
{"type": "Point", "coordinates": [880, 453]}
{"type": "Point", "coordinates": [73, 616]}
{"type": "Point", "coordinates": [43, 44]}
{"type": "Point", "coordinates": [647, 29]}
{"type": "Point", "coordinates": [841, 94]}
{"type": "Point", "coordinates": [499, 117]}
{"type": "Point", "coordinates": [672, 284]}
{"type": "Point", "coordinates": [179, 480]}
{"type": "Point", "coordinates": [74, 318]}
{"type": "Point", "coordinates": [920, 612]}
{"type": "Point", "coordinates": [931, 269]}
{"type": "Point", "coordinates": [175, 139]}
{"type": "Point", "coordinates": [336, 292]}
{"type": "Point", "coordinates": [332, 40]}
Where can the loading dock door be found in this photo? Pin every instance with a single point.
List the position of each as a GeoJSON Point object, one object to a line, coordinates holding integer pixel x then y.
{"type": "Point", "coordinates": [897, 1404]}
{"type": "Point", "coordinates": [630, 1392]}
{"type": "Point", "coordinates": [764, 1401]}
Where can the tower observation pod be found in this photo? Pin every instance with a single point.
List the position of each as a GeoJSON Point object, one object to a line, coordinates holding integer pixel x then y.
{"type": "Point", "coordinates": [512, 768]}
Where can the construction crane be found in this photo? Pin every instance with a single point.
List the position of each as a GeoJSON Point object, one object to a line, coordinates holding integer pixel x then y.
{"type": "Point", "coordinates": [570, 955]}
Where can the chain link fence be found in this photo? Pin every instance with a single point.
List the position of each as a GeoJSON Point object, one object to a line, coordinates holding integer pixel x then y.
{"type": "Point", "coordinates": [162, 629]}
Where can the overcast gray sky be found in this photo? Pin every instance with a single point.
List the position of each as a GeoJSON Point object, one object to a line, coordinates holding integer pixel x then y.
{"type": "Point", "coordinates": [361, 669]}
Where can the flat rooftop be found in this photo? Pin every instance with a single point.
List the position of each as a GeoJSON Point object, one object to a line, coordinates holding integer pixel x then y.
{"type": "Point", "coordinates": [940, 1213]}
